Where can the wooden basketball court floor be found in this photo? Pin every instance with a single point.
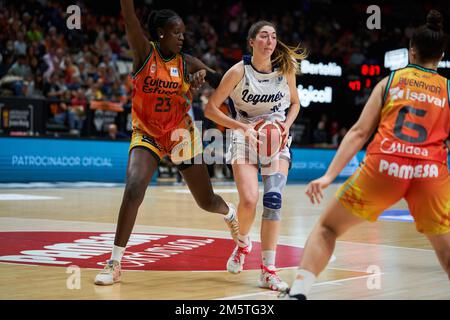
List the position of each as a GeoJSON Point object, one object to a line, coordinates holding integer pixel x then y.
{"type": "Point", "coordinates": [409, 268]}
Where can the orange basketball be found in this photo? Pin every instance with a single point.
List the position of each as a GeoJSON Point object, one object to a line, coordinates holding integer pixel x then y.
{"type": "Point", "coordinates": [271, 138]}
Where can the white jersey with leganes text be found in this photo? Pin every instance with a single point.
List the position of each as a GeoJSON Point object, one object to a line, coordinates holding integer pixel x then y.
{"type": "Point", "coordinates": [260, 95]}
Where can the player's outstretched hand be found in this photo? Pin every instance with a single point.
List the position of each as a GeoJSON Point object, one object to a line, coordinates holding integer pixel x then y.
{"type": "Point", "coordinates": [315, 187]}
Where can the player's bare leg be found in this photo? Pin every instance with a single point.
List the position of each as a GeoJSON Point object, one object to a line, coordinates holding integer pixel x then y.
{"type": "Point", "coordinates": [333, 223]}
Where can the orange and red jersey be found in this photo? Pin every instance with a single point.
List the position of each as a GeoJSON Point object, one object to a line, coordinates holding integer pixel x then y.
{"type": "Point", "coordinates": [161, 96]}
{"type": "Point", "coordinates": [415, 118]}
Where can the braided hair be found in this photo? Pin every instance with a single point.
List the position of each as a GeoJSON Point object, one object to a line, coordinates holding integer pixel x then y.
{"type": "Point", "coordinates": [159, 19]}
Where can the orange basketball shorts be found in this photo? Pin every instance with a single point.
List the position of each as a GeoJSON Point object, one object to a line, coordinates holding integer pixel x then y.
{"type": "Point", "coordinates": [180, 144]}
{"type": "Point", "coordinates": [381, 180]}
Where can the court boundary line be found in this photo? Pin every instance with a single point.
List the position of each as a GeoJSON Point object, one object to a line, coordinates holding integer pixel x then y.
{"type": "Point", "coordinates": [274, 293]}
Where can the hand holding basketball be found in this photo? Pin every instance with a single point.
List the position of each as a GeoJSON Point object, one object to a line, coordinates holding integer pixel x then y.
{"type": "Point", "coordinates": [252, 135]}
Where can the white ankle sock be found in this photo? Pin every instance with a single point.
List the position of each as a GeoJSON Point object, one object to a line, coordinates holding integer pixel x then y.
{"type": "Point", "coordinates": [268, 257]}
{"type": "Point", "coordinates": [243, 240]}
{"type": "Point", "coordinates": [303, 282]}
{"type": "Point", "coordinates": [117, 253]}
{"type": "Point", "coordinates": [231, 213]}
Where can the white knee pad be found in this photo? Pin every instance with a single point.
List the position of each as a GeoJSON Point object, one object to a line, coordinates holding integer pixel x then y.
{"type": "Point", "coordinates": [273, 187]}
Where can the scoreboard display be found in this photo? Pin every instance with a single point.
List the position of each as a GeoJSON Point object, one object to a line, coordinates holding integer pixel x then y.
{"type": "Point", "coordinates": [340, 91]}
{"type": "Point", "coordinates": [366, 78]}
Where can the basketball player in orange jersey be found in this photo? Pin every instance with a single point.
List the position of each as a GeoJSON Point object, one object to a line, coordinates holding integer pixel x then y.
{"type": "Point", "coordinates": [407, 159]}
{"type": "Point", "coordinates": [160, 102]}
{"type": "Point", "coordinates": [261, 87]}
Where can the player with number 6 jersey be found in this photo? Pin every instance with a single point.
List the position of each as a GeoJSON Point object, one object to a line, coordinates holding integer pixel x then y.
{"type": "Point", "coordinates": [408, 152]}
{"type": "Point", "coordinates": [415, 115]}
{"type": "Point", "coordinates": [406, 159]}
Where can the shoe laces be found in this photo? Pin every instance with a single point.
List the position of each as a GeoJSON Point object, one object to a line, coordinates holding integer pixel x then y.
{"type": "Point", "coordinates": [272, 273]}
{"type": "Point", "coordinates": [109, 267]}
{"type": "Point", "coordinates": [240, 251]}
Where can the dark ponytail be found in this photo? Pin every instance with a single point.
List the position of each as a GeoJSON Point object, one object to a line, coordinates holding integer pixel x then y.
{"type": "Point", "coordinates": [429, 39]}
{"type": "Point", "coordinates": [158, 19]}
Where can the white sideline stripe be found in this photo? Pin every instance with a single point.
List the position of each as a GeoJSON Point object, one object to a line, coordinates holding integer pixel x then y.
{"type": "Point", "coordinates": [386, 246]}
{"type": "Point", "coordinates": [331, 268]}
{"type": "Point", "coordinates": [17, 197]}
{"type": "Point", "coordinates": [347, 279]}
{"type": "Point", "coordinates": [333, 282]}
{"type": "Point", "coordinates": [123, 270]}
{"type": "Point", "coordinates": [56, 185]}
{"type": "Point", "coordinates": [216, 190]}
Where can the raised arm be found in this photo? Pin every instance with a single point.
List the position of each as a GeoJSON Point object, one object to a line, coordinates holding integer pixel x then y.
{"type": "Point", "coordinates": [136, 37]}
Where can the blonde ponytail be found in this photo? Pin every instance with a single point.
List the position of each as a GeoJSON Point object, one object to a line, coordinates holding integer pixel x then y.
{"type": "Point", "coordinates": [286, 58]}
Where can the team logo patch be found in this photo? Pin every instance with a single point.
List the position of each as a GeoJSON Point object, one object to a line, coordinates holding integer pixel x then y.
{"type": "Point", "coordinates": [396, 93]}
{"type": "Point", "coordinates": [153, 68]}
{"type": "Point", "coordinates": [149, 251]}
{"type": "Point", "coordinates": [389, 147]}
{"type": "Point", "coordinates": [393, 169]}
{"type": "Point", "coordinates": [174, 72]}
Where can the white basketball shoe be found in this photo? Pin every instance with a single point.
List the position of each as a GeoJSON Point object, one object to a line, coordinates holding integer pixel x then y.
{"type": "Point", "coordinates": [110, 274]}
{"type": "Point", "coordinates": [270, 279]}
{"type": "Point", "coordinates": [236, 261]}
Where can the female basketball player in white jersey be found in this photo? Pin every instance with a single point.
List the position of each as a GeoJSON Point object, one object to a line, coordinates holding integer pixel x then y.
{"type": "Point", "coordinates": [261, 87]}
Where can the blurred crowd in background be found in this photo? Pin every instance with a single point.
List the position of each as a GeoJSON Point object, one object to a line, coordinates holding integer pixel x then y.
{"type": "Point", "coordinates": [41, 58]}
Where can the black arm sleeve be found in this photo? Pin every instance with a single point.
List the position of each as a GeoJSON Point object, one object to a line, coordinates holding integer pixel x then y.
{"type": "Point", "coordinates": [213, 78]}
